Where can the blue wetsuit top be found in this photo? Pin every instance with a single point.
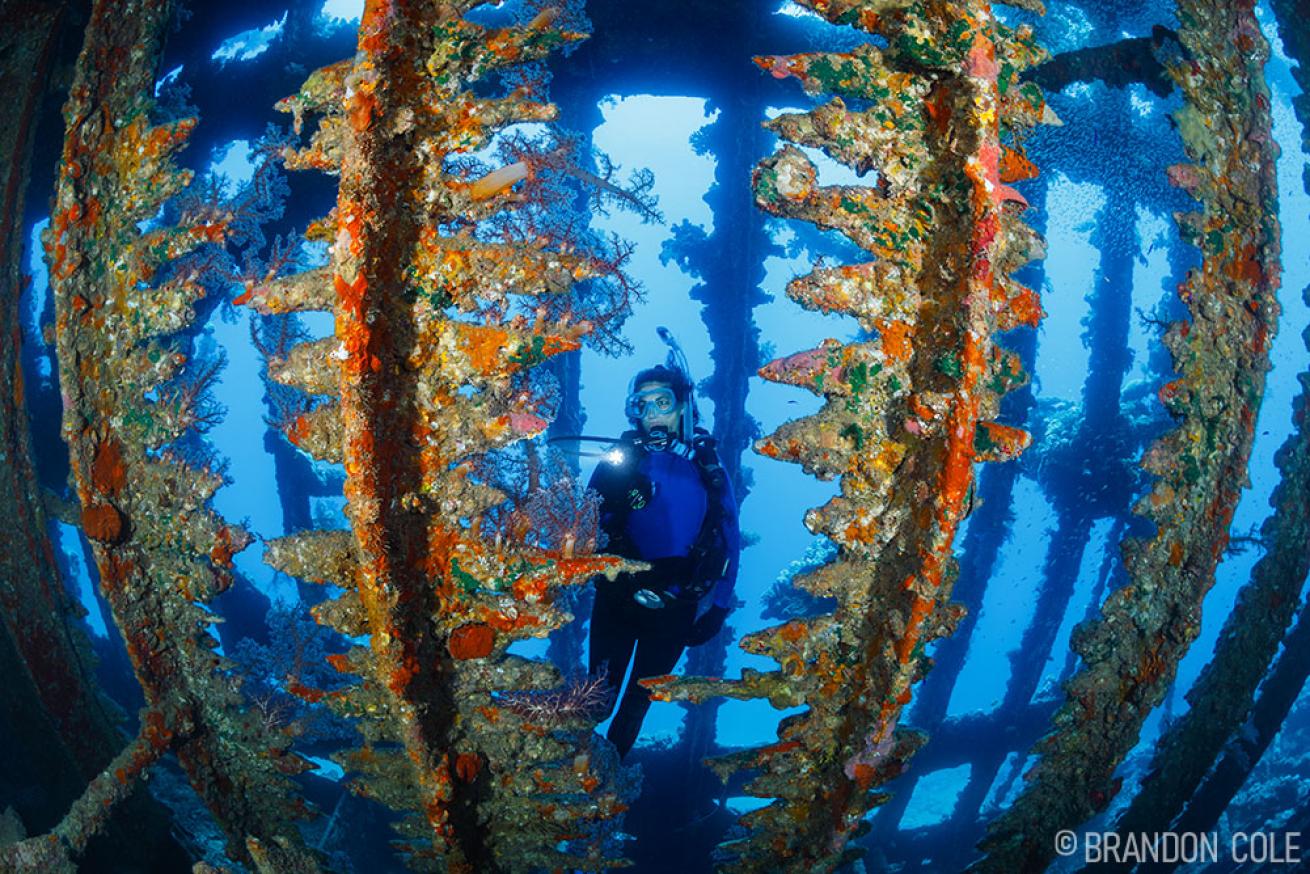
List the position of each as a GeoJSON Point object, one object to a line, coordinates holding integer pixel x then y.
{"type": "Point", "coordinates": [654, 506]}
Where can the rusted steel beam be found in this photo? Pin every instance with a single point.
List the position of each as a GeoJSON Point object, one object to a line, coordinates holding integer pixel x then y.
{"type": "Point", "coordinates": [437, 326]}
{"type": "Point", "coordinates": [1131, 654]}
{"type": "Point", "coordinates": [1223, 695]}
{"type": "Point", "coordinates": [907, 413]}
{"type": "Point", "coordinates": [56, 851]}
{"type": "Point", "coordinates": [1278, 694]}
{"type": "Point", "coordinates": [37, 613]}
{"type": "Point", "coordinates": [159, 548]}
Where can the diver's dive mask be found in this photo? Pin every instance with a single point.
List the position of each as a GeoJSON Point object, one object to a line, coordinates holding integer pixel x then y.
{"type": "Point", "coordinates": [658, 412]}
{"type": "Point", "coordinates": [664, 398]}
{"type": "Point", "coordinates": [655, 401]}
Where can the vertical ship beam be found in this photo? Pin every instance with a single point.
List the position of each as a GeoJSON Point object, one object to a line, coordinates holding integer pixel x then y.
{"type": "Point", "coordinates": [45, 652]}
{"type": "Point", "coordinates": [158, 546]}
{"type": "Point", "coordinates": [907, 414]}
{"type": "Point", "coordinates": [1224, 694]}
{"type": "Point", "coordinates": [1131, 654]}
{"type": "Point", "coordinates": [443, 303]}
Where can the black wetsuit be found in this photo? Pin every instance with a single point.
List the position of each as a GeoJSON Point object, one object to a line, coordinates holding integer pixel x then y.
{"type": "Point", "coordinates": [654, 506]}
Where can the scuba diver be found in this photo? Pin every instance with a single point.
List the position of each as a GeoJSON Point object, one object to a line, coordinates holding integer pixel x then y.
{"type": "Point", "coordinates": [666, 501]}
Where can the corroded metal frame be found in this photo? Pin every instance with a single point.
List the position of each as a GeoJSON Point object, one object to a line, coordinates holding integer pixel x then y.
{"type": "Point", "coordinates": [423, 381]}
{"type": "Point", "coordinates": [160, 550]}
{"type": "Point", "coordinates": [908, 412]}
{"type": "Point", "coordinates": [1130, 655]}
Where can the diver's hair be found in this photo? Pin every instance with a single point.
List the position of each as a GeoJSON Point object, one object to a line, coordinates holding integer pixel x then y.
{"type": "Point", "coordinates": [675, 379]}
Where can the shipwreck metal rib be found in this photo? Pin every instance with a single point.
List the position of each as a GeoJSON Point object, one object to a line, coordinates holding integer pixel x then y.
{"type": "Point", "coordinates": [1130, 655]}
{"type": "Point", "coordinates": [420, 394]}
{"type": "Point", "coordinates": [53, 853]}
{"type": "Point", "coordinates": [51, 659]}
{"type": "Point", "coordinates": [158, 546]}
{"type": "Point", "coordinates": [1222, 697]}
{"type": "Point", "coordinates": [907, 413]}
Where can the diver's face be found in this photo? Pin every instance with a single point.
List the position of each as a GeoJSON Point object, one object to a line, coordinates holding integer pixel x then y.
{"type": "Point", "coordinates": [657, 406]}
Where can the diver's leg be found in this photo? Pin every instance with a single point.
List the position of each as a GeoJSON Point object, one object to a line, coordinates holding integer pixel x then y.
{"type": "Point", "coordinates": [610, 644]}
{"type": "Point", "coordinates": [659, 646]}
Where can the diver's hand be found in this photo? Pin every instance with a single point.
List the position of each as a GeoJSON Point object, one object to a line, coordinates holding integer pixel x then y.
{"type": "Point", "coordinates": [708, 625]}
